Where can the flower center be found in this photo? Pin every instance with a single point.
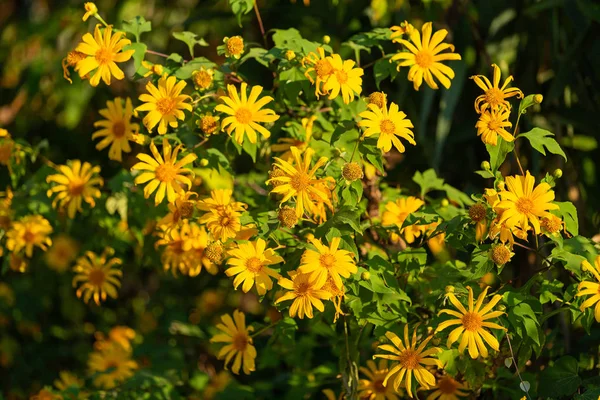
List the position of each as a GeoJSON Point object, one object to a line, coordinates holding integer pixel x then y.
{"type": "Point", "coordinates": [187, 209]}
{"type": "Point", "coordinates": [235, 45]}
{"type": "Point", "coordinates": [302, 288]}
{"type": "Point", "coordinates": [552, 225]}
{"type": "Point", "coordinates": [243, 115]}
{"type": "Point", "coordinates": [76, 187]}
{"type": "Point", "coordinates": [424, 58]}
{"type": "Point", "coordinates": [494, 124]}
{"type": "Point", "coordinates": [300, 181]}
{"type": "Point", "coordinates": [323, 68]}
{"type": "Point", "coordinates": [342, 77]}
{"type": "Point", "coordinates": [240, 341]}
{"type": "Point", "coordinates": [409, 359]}
{"type": "Point", "coordinates": [225, 220]}
{"type": "Point", "coordinates": [471, 321]}
{"type": "Point", "coordinates": [118, 129]}
{"type": "Point", "coordinates": [165, 106]}
{"type": "Point", "coordinates": [327, 260]}
{"type": "Point", "coordinates": [203, 79]}
{"type": "Point", "coordinates": [29, 237]}
{"type": "Point", "coordinates": [525, 205]}
{"type": "Point", "coordinates": [447, 385]}
{"type": "Point", "coordinates": [254, 265]}
{"type": "Point", "coordinates": [97, 277]}
{"type": "Point", "coordinates": [387, 126]}
{"type": "Point", "coordinates": [165, 172]}
{"type": "Point", "coordinates": [494, 96]}
{"type": "Point", "coordinates": [104, 55]}
{"type": "Point", "coordinates": [477, 212]}
{"type": "Point", "coordinates": [208, 124]}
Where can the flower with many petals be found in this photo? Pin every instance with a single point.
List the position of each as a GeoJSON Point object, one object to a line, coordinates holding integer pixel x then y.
{"type": "Point", "coordinates": [390, 124]}
{"type": "Point", "coordinates": [29, 232]}
{"type": "Point", "coordinates": [345, 79]}
{"type": "Point", "coordinates": [304, 293]}
{"type": "Point", "coordinates": [117, 129]}
{"type": "Point", "coordinates": [238, 343]}
{"type": "Point", "coordinates": [494, 96]}
{"type": "Point", "coordinates": [327, 261]}
{"type": "Point", "coordinates": [372, 388]}
{"type": "Point", "coordinates": [249, 264]}
{"type": "Point", "coordinates": [592, 289]}
{"type": "Point", "coordinates": [493, 123]}
{"type": "Point", "coordinates": [98, 276]}
{"type": "Point", "coordinates": [165, 104]}
{"type": "Point", "coordinates": [448, 388]}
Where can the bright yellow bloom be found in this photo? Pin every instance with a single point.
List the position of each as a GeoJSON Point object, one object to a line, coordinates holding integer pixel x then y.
{"type": "Point", "coordinates": [494, 96]}
{"type": "Point", "coordinates": [219, 200]}
{"type": "Point", "coordinates": [103, 52]}
{"type": "Point", "coordinates": [304, 293]}
{"type": "Point", "coordinates": [72, 60]}
{"type": "Point", "coordinates": [98, 276]}
{"type": "Point", "coordinates": [424, 57]}
{"type": "Point", "coordinates": [184, 250]}
{"type": "Point", "coordinates": [587, 288]}
{"type": "Point", "coordinates": [337, 296]}
{"type": "Point", "coordinates": [245, 112]}
{"type": "Point", "coordinates": [117, 129]}
{"type": "Point", "coordinates": [29, 232]}
{"type": "Point", "coordinates": [239, 343]}
{"type": "Point", "coordinates": [203, 78]}
{"type": "Point", "coordinates": [492, 123]}
{"type": "Point", "coordinates": [165, 104]}
{"type": "Point", "coordinates": [223, 214]}
{"type": "Point", "coordinates": [90, 10]}
{"type": "Point", "coordinates": [62, 252]}
{"type": "Point", "coordinates": [111, 365]}
{"type": "Point", "coordinates": [249, 264]}
{"type": "Point", "coordinates": [372, 387]}
{"type": "Point", "coordinates": [180, 210]}
{"type": "Point", "coordinates": [75, 183]}
{"type": "Point", "coordinates": [411, 360]}
{"type": "Point", "coordinates": [551, 225]}
{"type": "Point", "coordinates": [396, 213]}
{"type": "Point", "coordinates": [345, 79]}
{"type": "Point", "coordinates": [155, 69]}
{"type": "Point", "coordinates": [208, 123]}
{"type": "Point", "coordinates": [327, 261]}
{"type": "Point", "coordinates": [67, 380]}
{"type": "Point", "coordinates": [399, 30]}
{"type": "Point", "coordinates": [199, 242]}
{"type": "Point", "coordinates": [472, 324]}
{"type": "Point", "coordinates": [234, 46]}
{"type": "Point", "coordinates": [320, 206]}
{"type": "Point", "coordinates": [448, 388]}
{"type": "Point", "coordinates": [299, 180]}
{"type": "Point", "coordinates": [522, 204]}
{"type": "Point", "coordinates": [123, 335]}
{"type": "Point", "coordinates": [321, 66]}
{"type": "Point", "coordinates": [285, 144]}
{"type": "Point", "coordinates": [389, 124]}
{"type": "Point", "coordinates": [167, 174]}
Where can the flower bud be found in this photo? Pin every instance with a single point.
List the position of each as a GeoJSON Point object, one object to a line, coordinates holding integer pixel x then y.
{"type": "Point", "coordinates": [203, 162]}
{"type": "Point", "coordinates": [558, 173]}
{"type": "Point", "coordinates": [214, 252]}
{"type": "Point", "coordinates": [287, 217]}
{"type": "Point", "coordinates": [378, 98]}
{"type": "Point", "coordinates": [486, 166]}
{"type": "Point", "coordinates": [290, 55]}
{"type": "Point", "coordinates": [352, 171]}
{"type": "Point", "coordinates": [449, 289]}
{"type": "Point", "coordinates": [365, 276]}
{"type": "Point", "coordinates": [445, 203]}
{"type": "Point", "coordinates": [477, 212]}
{"type": "Point", "coordinates": [326, 39]}
{"type": "Point", "coordinates": [538, 98]}
{"type": "Point", "coordinates": [500, 254]}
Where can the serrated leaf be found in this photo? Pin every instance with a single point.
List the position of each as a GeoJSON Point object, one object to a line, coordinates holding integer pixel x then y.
{"type": "Point", "coordinates": [561, 379]}
{"type": "Point", "coordinates": [190, 39]}
{"type": "Point", "coordinates": [568, 213]}
{"type": "Point", "coordinates": [498, 153]}
{"type": "Point", "coordinates": [136, 26]}
{"type": "Point", "coordinates": [241, 7]}
{"type": "Point", "coordinates": [138, 55]}
{"type": "Point", "coordinates": [428, 181]}
{"type": "Point", "coordinates": [540, 139]}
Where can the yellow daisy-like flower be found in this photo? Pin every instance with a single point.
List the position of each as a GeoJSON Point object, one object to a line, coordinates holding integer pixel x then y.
{"type": "Point", "coordinates": [155, 69]}
{"type": "Point", "coordinates": [448, 388]}
{"type": "Point", "coordinates": [164, 103]}
{"type": "Point", "coordinates": [208, 124]}
{"type": "Point", "coordinates": [472, 324]}
{"type": "Point", "coordinates": [165, 173]}
{"type": "Point", "coordinates": [175, 256]}
{"type": "Point", "coordinates": [494, 96]}
{"type": "Point", "coordinates": [234, 46]}
{"type": "Point", "coordinates": [327, 261]}
{"type": "Point", "coordinates": [372, 387]}
{"type": "Point", "coordinates": [199, 242]}
{"type": "Point", "coordinates": [67, 380]}
{"type": "Point", "coordinates": [221, 199]}
{"type": "Point", "coordinates": [304, 293]}
{"type": "Point", "coordinates": [412, 360]}
{"type": "Point", "coordinates": [90, 11]}
{"type": "Point", "coordinates": [493, 122]}
{"type": "Point", "coordinates": [203, 78]}
{"type": "Point", "coordinates": [238, 343]}
{"type": "Point", "coordinates": [111, 365]}
{"type": "Point", "coordinates": [76, 183]}
{"type": "Point", "coordinates": [222, 224]}
{"type": "Point", "coordinates": [345, 79]}
{"type": "Point", "coordinates": [245, 112]}
{"type": "Point", "coordinates": [103, 52]}
{"type": "Point", "coordinates": [298, 180]}
{"type": "Point", "coordinates": [249, 264]}
{"type": "Point", "coordinates": [587, 288]}
{"type": "Point", "coordinates": [29, 232]}
{"type": "Point", "coordinates": [390, 124]}
{"type": "Point", "coordinates": [62, 252]}
{"type": "Point", "coordinates": [522, 204]}
{"type": "Point", "coordinates": [396, 213]}
{"type": "Point", "coordinates": [423, 57]}
{"type": "Point", "coordinates": [285, 144]}
{"type": "Point", "coordinates": [180, 210]}
{"type": "Point", "coordinates": [97, 275]}
{"type": "Point", "coordinates": [117, 129]}
{"type": "Point", "coordinates": [321, 66]}
{"type": "Point", "coordinates": [320, 206]}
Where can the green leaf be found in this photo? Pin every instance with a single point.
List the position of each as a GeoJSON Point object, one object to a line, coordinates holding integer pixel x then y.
{"type": "Point", "coordinates": [568, 213]}
{"type": "Point", "coordinates": [499, 152]}
{"type": "Point", "coordinates": [188, 69]}
{"type": "Point", "coordinates": [540, 138]}
{"type": "Point", "coordinates": [136, 26]}
{"type": "Point", "coordinates": [383, 69]}
{"type": "Point", "coordinates": [590, 394]}
{"type": "Point", "coordinates": [580, 142]}
{"type": "Point", "coordinates": [241, 7]}
{"type": "Point", "coordinates": [428, 181]}
{"type": "Point", "coordinates": [138, 56]}
{"type": "Point", "coordinates": [190, 39]}
{"type": "Point", "coordinates": [527, 102]}
{"type": "Point", "coordinates": [561, 379]}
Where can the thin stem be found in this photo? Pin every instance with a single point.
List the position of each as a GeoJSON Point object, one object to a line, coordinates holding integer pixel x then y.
{"type": "Point", "coordinates": [99, 18]}
{"type": "Point", "coordinates": [258, 332]}
{"type": "Point", "coordinates": [512, 355]}
{"type": "Point", "coordinates": [156, 53]}
{"type": "Point", "coordinates": [260, 23]}
{"type": "Point", "coordinates": [355, 147]}
{"type": "Point", "coordinates": [515, 149]}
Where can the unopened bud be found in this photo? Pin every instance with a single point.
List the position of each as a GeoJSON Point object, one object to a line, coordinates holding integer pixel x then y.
{"type": "Point", "coordinates": [326, 39]}
{"type": "Point", "coordinates": [203, 162]}
{"type": "Point", "coordinates": [214, 252]}
{"type": "Point", "coordinates": [287, 217]}
{"type": "Point", "coordinates": [558, 173]}
{"type": "Point", "coordinates": [290, 55]}
{"type": "Point", "coordinates": [365, 276]}
{"type": "Point", "coordinates": [445, 203]}
{"type": "Point", "coordinates": [486, 166]}
{"type": "Point", "coordinates": [352, 171]}
{"type": "Point", "coordinates": [449, 289]}
{"type": "Point", "coordinates": [538, 98]}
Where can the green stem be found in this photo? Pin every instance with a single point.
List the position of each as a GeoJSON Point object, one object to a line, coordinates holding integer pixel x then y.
{"type": "Point", "coordinates": [258, 332]}
{"type": "Point", "coordinates": [99, 18]}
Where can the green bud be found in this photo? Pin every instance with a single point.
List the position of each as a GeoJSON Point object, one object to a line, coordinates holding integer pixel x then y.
{"type": "Point", "coordinates": [365, 276]}
{"type": "Point", "coordinates": [326, 39]}
{"type": "Point", "coordinates": [558, 173]}
{"type": "Point", "coordinates": [449, 289]}
{"type": "Point", "coordinates": [445, 203]}
{"type": "Point", "coordinates": [204, 162]}
{"type": "Point", "coordinates": [486, 166]}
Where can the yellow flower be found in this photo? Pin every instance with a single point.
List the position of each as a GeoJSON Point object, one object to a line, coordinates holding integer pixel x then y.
{"type": "Point", "coordinates": [448, 388]}
{"type": "Point", "coordinates": [424, 57]}
{"type": "Point", "coordinates": [29, 232]}
{"type": "Point", "coordinates": [111, 365]}
{"type": "Point", "coordinates": [285, 144]}
{"type": "Point", "coordinates": [68, 380]}
{"type": "Point", "coordinates": [184, 250]}
{"type": "Point", "coordinates": [208, 124]}
{"type": "Point", "coordinates": [199, 242]}
{"type": "Point", "coordinates": [345, 79]}
{"type": "Point", "coordinates": [304, 293]}
{"type": "Point", "coordinates": [299, 180]}
{"type": "Point", "coordinates": [103, 52]}
{"type": "Point", "coordinates": [337, 296]}
{"type": "Point", "coordinates": [155, 69]}
{"type": "Point", "coordinates": [522, 204]}
{"type": "Point", "coordinates": [63, 251]}
{"type": "Point", "coordinates": [222, 224]}
{"type": "Point", "coordinates": [165, 104]}
{"type": "Point", "coordinates": [396, 213]}
{"type": "Point", "coordinates": [117, 129]}
{"type": "Point", "coordinates": [587, 288]}
{"type": "Point", "coordinates": [123, 335]}
{"type": "Point", "coordinates": [492, 123]}
{"type": "Point", "coordinates": [494, 96]}
{"type": "Point", "coordinates": [245, 112]}
{"type": "Point", "coordinates": [71, 60]}
{"type": "Point", "coordinates": [377, 98]}
{"type": "Point", "coordinates": [289, 55]}
{"type": "Point", "coordinates": [372, 387]}
{"type": "Point", "coordinates": [180, 210]}
{"type": "Point", "coordinates": [98, 276]}
{"type": "Point", "coordinates": [327, 261]}
{"type": "Point", "coordinates": [551, 225]}
{"type": "Point", "coordinates": [90, 10]}
{"type": "Point", "coordinates": [203, 78]}
{"type": "Point", "coordinates": [411, 360]}
{"type": "Point", "coordinates": [221, 199]}
{"type": "Point", "coordinates": [76, 182]}
{"type": "Point", "coordinates": [249, 264]}
{"type": "Point", "coordinates": [472, 324]}
{"type": "Point", "coordinates": [167, 174]}
{"type": "Point", "coordinates": [403, 28]}
{"type": "Point", "coordinates": [216, 385]}
{"type": "Point", "coordinates": [239, 343]}
{"type": "Point", "coordinates": [321, 66]}
{"type": "Point", "coordinates": [234, 46]}
{"type": "Point", "coordinates": [6, 213]}
{"type": "Point", "coordinates": [320, 206]}
{"type": "Point", "coordinates": [389, 124]}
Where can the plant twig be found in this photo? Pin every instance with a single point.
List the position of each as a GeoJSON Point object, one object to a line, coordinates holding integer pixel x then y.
{"type": "Point", "coordinates": [514, 360]}
{"type": "Point", "coordinates": [260, 23]}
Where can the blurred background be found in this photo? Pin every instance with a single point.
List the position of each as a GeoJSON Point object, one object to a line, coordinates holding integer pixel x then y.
{"type": "Point", "coordinates": [551, 47]}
